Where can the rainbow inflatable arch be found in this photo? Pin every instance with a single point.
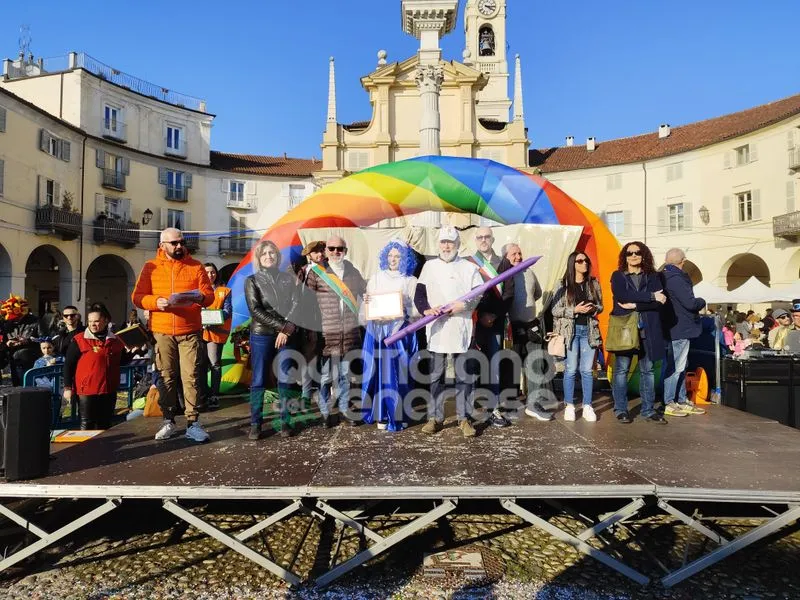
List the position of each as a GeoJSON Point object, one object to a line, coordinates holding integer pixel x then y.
{"type": "Point", "coordinates": [434, 183]}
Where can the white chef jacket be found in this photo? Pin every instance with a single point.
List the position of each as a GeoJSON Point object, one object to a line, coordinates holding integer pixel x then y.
{"type": "Point", "coordinates": [445, 282]}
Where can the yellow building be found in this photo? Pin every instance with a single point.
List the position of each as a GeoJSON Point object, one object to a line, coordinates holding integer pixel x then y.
{"type": "Point", "coordinates": [95, 162]}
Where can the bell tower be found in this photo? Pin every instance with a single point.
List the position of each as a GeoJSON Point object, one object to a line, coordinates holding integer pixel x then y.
{"type": "Point", "coordinates": [485, 29]}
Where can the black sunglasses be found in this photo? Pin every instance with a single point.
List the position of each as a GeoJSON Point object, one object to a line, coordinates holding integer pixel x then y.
{"type": "Point", "coordinates": [337, 248]}
{"type": "Point", "coordinates": [176, 243]}
{"type": "Point", "coordinates": [69, 316]}
{"type": "Point", "coordinates": [580, 261]}
{"type": "Point", "coordinates": [633, 253]}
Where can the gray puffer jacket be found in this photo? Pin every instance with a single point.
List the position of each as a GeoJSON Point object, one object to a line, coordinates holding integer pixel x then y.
{"type": "Point", "coordinates": [564, 315]}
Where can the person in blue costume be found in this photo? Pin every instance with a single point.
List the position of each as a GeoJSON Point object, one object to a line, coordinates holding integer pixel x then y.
{"type": "Point", "coordinates": [386, 379]}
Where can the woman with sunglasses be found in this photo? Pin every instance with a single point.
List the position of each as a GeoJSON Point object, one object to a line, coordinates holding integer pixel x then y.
{"type": "Point", "coordinates": [638, 287]}
{"type": "Point", "coordinates": [575, 308]}
{"type": "Point", "coordinates": [272, 301]}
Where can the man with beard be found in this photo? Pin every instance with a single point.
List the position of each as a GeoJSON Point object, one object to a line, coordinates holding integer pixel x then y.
{"type": "Point", "coordinates": [337, 284]}
{"type": "Point", "coordinates": [174, 287]}
{"type": "Point", "coordinates": [72, 321]}
{"type": "Point", "coordinates": [443, 280]}
{"type": "Point", "coordinates": [492, 311]}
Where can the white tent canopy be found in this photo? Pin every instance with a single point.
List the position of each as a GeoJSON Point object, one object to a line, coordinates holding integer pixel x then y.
{"type": "Point", "coordinates": [751, 292]}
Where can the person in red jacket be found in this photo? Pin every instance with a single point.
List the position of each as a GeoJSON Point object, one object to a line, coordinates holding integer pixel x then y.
{"type": "Point", "coordinates": [174, 287]}
{"type": "Point", "coordinates": [91, 369]}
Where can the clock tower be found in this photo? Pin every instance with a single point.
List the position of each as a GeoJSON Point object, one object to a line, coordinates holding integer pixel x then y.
{"type": "Point", "coordinates": [485, 28]}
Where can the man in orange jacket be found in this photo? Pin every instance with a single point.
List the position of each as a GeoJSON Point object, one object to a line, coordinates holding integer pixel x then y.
{"type": "Point", "coordinates": [174, 288]}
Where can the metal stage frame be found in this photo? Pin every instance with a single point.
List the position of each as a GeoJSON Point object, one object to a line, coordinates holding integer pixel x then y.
{"type": "Point", "coordinates": [531, 503]}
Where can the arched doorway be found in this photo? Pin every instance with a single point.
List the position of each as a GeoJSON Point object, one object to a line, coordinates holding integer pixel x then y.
{"type": "Point", "coordinates": [224, 274]}
{"type": "Point", "coordinates": [110, 280]}
{"type": "Point", "coordinates": [694, 273]}
{"type": "Point", "coordinates": [48, 280]}
{"type": "Point", "coordinates": [5, 273]}
{"type": "Point", "coordinates": [742, 267]}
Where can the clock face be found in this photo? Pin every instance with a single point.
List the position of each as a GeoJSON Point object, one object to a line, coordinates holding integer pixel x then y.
{"type": "Point", "coordinates": [487, 7]}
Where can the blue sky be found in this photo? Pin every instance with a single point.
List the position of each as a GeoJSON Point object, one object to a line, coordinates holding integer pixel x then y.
{"type": "Point", "coordinates": [608, 69]}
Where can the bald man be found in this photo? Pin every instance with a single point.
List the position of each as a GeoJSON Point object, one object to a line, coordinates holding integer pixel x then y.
{"type": "Point", "coordinates": [682, 324]}
{"type": "Point", "coordinates": [492, 311]}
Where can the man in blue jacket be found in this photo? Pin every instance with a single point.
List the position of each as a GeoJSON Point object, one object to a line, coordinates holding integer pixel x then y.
{"type": "Point", "coordinates": [682, 323]}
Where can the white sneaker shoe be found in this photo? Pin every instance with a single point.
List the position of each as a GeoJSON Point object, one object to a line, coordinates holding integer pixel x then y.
{"type": "Point", "coordinates": [196, 433]}
{"type": "Point", "coordinates": [588, 414]}
{"type": "Point", "coordinates": [167, 431]}
{"type": "Point", "coordinates": [569, 412]}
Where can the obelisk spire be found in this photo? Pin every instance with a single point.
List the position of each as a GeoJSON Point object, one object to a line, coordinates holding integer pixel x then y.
{"type": "Point", "coordinates": [332, 92]}
{"type": "Point", "coordinates": [519, 109]}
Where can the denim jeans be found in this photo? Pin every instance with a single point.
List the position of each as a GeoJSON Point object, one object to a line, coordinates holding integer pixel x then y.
{"type": "Point", "coordinates": [580, 357]}
{"type": "Point", "coordinates": [619, 384]}
{"type": "Point", "coordinates": [490, 341]}
{"type": "Point", "coordinates": [464, 386]}
{"type": "Point", "coordinates": [262, 358]}
{"type": "Point", "coordinates": [309, 372]}
{"type": "Point", "coordinates": [675, 374]}
{"type": "Point", "coordinates": [335, 374]}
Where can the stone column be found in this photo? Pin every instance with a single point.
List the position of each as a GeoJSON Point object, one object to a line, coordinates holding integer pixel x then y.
{"type": "Point", "coordinates": [429, 81]}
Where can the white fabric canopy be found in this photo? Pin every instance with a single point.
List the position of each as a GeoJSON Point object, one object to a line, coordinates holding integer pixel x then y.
{"type": "Point", "coordinates": [710, 293]}
{"type": "Point", "coordinates": [553, 242]}
{"type": "Point", "coordinates": [752, 291]}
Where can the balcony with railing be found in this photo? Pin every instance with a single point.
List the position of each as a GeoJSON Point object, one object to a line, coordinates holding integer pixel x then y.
{"type": "Point", "coordinates": [114, 130]}
{"type": "Point", "coordinates": [58, 221]}
{"type": "Point", "coordinates": [114, 179]}
{"type": "Point", "coordinates": [178, 193]}
{"type": "Point", "coordinates": [241, 201]}
{"type": "Point", "coordinates": [113, 230]}
{"type": "Point", "coordinates": [235, 244]}
{"type": "Point", "coordinates": [787, 226]}
{"type": "Point", "coordinates": [80, 60]}
{"type": "Point", "coordinates": [794, 158]}
{"type": "Point", "coordinates": [192, 241]}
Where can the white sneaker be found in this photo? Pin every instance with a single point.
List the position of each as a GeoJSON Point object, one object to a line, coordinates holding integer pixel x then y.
{"type": "Point", "coordinates": [167, 431]}
{"type": "Point", "coordinates": [569, 412]}
{"type": "Point", "coordinates": [588, 414]}
{"type": "Point", "coordinates": [383, 426]}
{"type": "Point", "coordinates": [196, 433]}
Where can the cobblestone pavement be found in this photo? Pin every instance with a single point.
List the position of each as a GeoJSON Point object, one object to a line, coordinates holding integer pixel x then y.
{"type": "Point", "coordinates": [140, 551]}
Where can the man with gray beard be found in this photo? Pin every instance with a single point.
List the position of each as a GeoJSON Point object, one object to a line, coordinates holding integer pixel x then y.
{"type": "Point", "coordinates": [443, 280]}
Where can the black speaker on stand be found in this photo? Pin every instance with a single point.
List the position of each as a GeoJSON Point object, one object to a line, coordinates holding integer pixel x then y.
{"type": "Point", "coordinates": [25, 415]}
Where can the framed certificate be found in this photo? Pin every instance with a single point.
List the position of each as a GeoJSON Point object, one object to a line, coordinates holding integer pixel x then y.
{"type": "Point", "coordinates": [385, 306]}
{"type": "Point", "coordinates": [211, 317]}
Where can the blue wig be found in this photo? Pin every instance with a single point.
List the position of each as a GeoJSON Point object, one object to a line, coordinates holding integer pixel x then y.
{"type": "Point", "coordinates": [408, 261]}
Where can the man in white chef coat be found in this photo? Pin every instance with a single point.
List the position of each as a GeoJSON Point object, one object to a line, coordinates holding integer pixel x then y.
{"type": "Point", "coordinates": [443, 280]}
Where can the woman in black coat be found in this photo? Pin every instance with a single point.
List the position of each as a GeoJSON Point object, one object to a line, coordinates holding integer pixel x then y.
{"type": "Point", "coordinates": [637, 286]}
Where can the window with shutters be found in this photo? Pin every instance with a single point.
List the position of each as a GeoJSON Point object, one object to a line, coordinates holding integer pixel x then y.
{"type": "Point", "coordinates": [742, 155]}
{"type": "Point", "coordinates": [614, 181]}
{"type": "Point", "coordinates": [674, 172]}
{"type": "Point", "coordinates": [49, 191]}
{"type": "Point", "coordinates": [676, 214]}
{"type": "Point", "coordinates": [115, 168]}
{"type": "Point", "coordinates": [616, 222]}
{"type": "Point", "coordinates": [3, 116]}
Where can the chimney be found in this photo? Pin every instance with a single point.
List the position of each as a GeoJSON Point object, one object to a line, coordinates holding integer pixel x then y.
{"type": "Point", "coordinates": [590, 144]}
{"type": "Point", "coordinates": [663, 131]}
{"type": "Point", "coordinates": [570, 140]}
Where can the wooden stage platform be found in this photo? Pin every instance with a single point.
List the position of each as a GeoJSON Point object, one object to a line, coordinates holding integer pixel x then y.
{"type": "Point", "coordinates": [725, 456]}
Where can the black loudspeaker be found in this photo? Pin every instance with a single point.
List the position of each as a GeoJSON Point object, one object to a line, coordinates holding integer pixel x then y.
{"type": "Point", "coordinates": [25, 432]}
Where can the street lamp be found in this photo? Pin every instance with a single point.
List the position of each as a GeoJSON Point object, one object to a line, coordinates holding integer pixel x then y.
{"type": "Point", "coordinates": [148, 214]}
{"type": "Point", "coordinates": [704, 215]}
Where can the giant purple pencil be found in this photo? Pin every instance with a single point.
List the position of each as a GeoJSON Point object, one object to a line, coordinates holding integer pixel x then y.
{"type": "Point", "coordinates": [473, 293]}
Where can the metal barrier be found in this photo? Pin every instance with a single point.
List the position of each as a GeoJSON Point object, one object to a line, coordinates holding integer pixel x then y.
{"type": "Point", "coordinates": [127, 383]}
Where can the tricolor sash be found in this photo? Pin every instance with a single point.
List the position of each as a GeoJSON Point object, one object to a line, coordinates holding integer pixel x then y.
{"type": "Point", "coordinates": [487, 271]}
{"type": "Point", "coordinates": [337, 286]}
